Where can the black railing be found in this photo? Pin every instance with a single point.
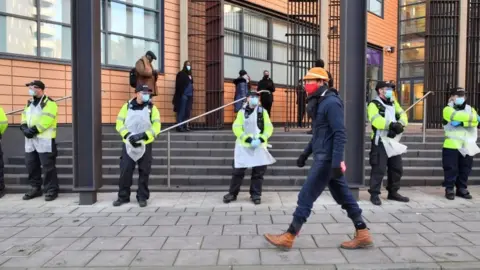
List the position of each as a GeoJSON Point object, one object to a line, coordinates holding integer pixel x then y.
{"type": "Point", "coordinates": [441, 55]}
{"type": "Point", "coordinates": [303, 50]}
{"type": "Point", "coordinates": [473, 54]}
{"type": "Point", "coordinates": [334, 40]}
{"type": "Point", "coordinates": [205, 43]}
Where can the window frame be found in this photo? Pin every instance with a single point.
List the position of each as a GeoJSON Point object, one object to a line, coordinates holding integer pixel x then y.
{"type": "Point", "coordinates": [103, 32]}
{"type": "Point", "coordinates": [382, 11]}
{"type": "Point", "coordinates": [270, 42]}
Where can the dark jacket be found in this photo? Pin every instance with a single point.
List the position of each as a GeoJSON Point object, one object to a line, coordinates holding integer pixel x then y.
{"type": "Point", "coordinates": [241, 89]}
{"type": "Point", "coordinates": [181, 83]}
{"type": "Point", "coordinates": [266, 84]}
{"type": "Point", "coordinates": [329, 137]}
{"type": "Point", "coordinates": [146, 75]}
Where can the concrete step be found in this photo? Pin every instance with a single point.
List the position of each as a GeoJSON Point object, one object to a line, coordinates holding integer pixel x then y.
{"type": "Point", "coordinates": [158, 181]}
{"type": "Point", "coordinates": [228, 152]}
{"type": "Point", "coordinates": [207, 170]}
{"type": "Point", "coordinates": [218, 161]}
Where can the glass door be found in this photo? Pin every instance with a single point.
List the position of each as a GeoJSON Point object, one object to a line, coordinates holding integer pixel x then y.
{"type": "Point", "coordinates": [417, 111]}
{"type": "Point", "coordinates": [410, 92]}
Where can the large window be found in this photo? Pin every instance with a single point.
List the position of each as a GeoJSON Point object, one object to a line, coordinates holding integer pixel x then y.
{"type": "Point", "coordinates": [41, 28]}
{"type": "Point", "coordinates": [255, 42]}
{"type": "Point", "coordinates": [375, 7]}
{"type": "Point", "coordinates": [412, 39]}
{"type": "Point", "coordinates": [374, 70]}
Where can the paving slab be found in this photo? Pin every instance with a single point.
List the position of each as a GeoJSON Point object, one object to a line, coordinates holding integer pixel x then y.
{"type": "Point", "coordinates": [155, 258]}
{"type": "Point", "coordinates": [197, 257]}
{"type": "Point", "coordinates": [390, 266]}
{"type": "Point", "coordinates": [372, 255]}
{"type": "Point", "coordinates": [446, 239]}
{"type": "Point", "coordinates": [205, 230]}
{"type": "Point", "coordinates": [279, 257]}
{"type": "Point", "coordinates": [71, 259]}
{"type": "Point", "coordinates": [113, 258]}
{"type": "Point", "coordinates": [145, 243]}
{"type": "Point", "coordinates": [239, 257]}
{"type": "Point", "coordinates": [443, 227]}
{"type": "Point", "coordinates": [406, 255]}
{"type": "Point", "coordinates": [180, 230]}
{"type": "Point", "coordinates": [108, 243]}
{"type": "Point", "coordinates": [183, 242]}
{"type": "Point", "coordinates": [323, 256]}
{"type": "Point", "coordinates": [448, 254]}
{"type": "Point", "coordinates": [221, 242]}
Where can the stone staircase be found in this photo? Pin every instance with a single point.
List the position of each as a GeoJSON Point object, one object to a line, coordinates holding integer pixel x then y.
{"type": "Point", "coordinates": [202, 160]}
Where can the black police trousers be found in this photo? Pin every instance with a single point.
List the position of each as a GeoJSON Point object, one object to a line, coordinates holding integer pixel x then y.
{"type": "Point", "coordinates": [456, 169]}
{"type": "Point", "coordinates": [2, 174]}
{"type": "Point", "coordinates": [36, 162]}
{"type": "Point", "coordinates": [380, 162]}
{"type": "Point", "coordinates": [256, 181]}
{"type": "Point", "coordinates": [127, 166]}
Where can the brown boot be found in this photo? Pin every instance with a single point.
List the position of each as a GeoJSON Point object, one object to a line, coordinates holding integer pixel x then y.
{"type": "Point", "coordinates": [362, 239]}
{"type": "Point", "coordinates": [284, 240]}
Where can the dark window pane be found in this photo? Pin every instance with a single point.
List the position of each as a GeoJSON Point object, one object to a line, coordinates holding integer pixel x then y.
{"type": "Point", "coordinates": [414, 42]}
{"type": "Point", "coordinates": [18, 36]}
{"type": "Point", "coordinates": [25, 8]}
{"type": "Point", "coordinates": [412, 55]}
{"type": "Point", "coordinates": [412, 70]}
{"type": "Point", "coordinates": [413, 26]}
{"type": "Point", "coordinates": [411, 12]}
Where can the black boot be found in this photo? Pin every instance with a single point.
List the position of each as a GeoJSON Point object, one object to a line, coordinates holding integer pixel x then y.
{"type": "Point", "coordinates": [229, 198]}
{"type": "Point", "coordinates": [395, 196]}
{"type": "Point", "coordinates": [256, 199]}
{"type": "Point", "coordinates": [2, 192]}
{"type": "Point", "coordinates": [50, 196]}
{"type": "Point", "coordinates": [375, 199]}
{"type": "Point", "coordinates": [449, 194]}
{"type": "Point", "coordinates": [464, 194]}
{"type": "Point", "coordinates": [119, 202]}
{"type": "Point", "coordinates": [33, 193]}
{"type": "Point", "coordinates": [142, 203]}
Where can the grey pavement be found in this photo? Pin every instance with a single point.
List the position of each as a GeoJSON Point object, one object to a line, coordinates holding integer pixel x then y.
{"type": "Point", "coordinates": [187, 231]}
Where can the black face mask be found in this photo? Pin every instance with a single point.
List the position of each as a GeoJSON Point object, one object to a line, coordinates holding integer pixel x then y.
{"type": "Point", "coordinates": [266, 76]}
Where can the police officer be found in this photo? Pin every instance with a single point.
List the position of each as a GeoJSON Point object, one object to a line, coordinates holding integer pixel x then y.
{"type": "Point", "coordinates": [460, 122]}
{"type": "Point", "coordinates": [39, 126]}
{"type": "Point", "coordinates": [388, 119]}
{"type": "Point", "coordinates": [327, 145]}
{"type": "Point", "coordinates": [138, 123]}
{"type": "Point", "coordinates": [253, 128]}
{"type": "Point", "coordinates": [3, 127]}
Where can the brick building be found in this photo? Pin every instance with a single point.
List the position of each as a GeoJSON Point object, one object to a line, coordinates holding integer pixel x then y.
{"type": "Point", "coordinates": [36, 43]}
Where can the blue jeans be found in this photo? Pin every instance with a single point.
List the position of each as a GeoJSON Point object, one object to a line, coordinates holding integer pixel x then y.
{"type": "Point", "coordinates": [318, 178]}
{"type": "Point", "coordinates": [183, 112]}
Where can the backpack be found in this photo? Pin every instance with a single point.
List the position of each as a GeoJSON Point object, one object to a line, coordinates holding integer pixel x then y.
{"type": "Point", "coordinates": [133, 77]}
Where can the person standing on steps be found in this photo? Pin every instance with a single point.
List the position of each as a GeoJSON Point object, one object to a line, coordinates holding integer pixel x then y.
{"type": "Point", "coordinates": [3, 128]}
{"type": "Point", "coordinates": [138, 123]}
{"type": "Point", "coordinates": [39, 126]}
{"type": "Point", "coordinates": [253, 128]}
{"type": "Point", "coordinates": [327, 145]}
{"type": "Point", "coordinates": [183, 98]}
{"type": "Point", "coordinates": [460, 122]}
{"type": "Point", "coordinates": [145, 73]}
{"type": "Point", "coordinates": [242, 87]}
{"type": "Point", "coordinates": [388, 120]}
{"type": "Point", "coordinates": [266, 98]}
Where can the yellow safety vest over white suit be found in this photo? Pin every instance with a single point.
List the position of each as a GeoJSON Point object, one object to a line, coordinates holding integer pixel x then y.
{"type": "Point", "coordinates": [393, 147]}
{"type": "Point", "coordinates": [42, 142]}
{"type": "Point", "coordinates": [463, 138]}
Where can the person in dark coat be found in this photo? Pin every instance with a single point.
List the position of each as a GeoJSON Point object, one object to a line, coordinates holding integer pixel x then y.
{"type": "Point", "coordinates": [301, 103]}
{"type": "Point", "coordinates": [266, 98]}
{"type": "Point", "coordinates": [321, 63]}
{"type": "Point", "coordinates": [183, 97]}
{"type": "Point", "coordinates": [242, 87]}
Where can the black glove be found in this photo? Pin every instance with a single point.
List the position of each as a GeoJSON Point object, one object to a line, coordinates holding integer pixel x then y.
{"type": "Point", "coordinates": [34, 130]}
{"type": "Point", "coordinates": [337, 173]}
{"type": "Point", "coordinates": [301, 160]}
{"type": "Point", "coordinates": [391, 134]}
{"type": "Point", "coordinates": [126, 135]}
{"type": "Point", "coordinates": [249, 140]}
{"type": "Point", "coordinates": [138, 137]}
{"type": "Point", "coordinates": [396, 127]}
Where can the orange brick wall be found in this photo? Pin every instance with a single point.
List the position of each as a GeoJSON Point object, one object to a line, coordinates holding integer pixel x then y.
{"type": "Point", "coordinates": [383, 32]}
{"type": "Point", "coordinates": [14, 73]}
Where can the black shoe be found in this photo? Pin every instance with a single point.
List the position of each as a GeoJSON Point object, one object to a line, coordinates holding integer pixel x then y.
{"type": "Point", "coordinates": [142, 203]}
{"type": "Point", "coordinates": [375, 199]}
{"type": "Point", "coordinates": [310, 132]}
{"type": "Point", "coordinates": [2, 192]}
{"type": "Point", "coordinates": [179, 129]}
{"type": "Point", "coordinates": [229, 198]}
{"type": "Point", "coordinates": [51, 196]}
{"type": "Point", "coordinates": [32, 193]}
{"type": "Point", "coordinates": [464, 194]}
{"type": "Point", "coordinates": [119, 202]}
{"type": "Point", "coordinates": [256, 200]}
{"type": "Point", "coordinates": [395, 196]}
{"type": "Point", "coordinates": [449, 194]}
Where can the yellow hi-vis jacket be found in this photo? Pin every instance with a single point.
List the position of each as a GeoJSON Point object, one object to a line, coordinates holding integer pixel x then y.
{"type": "Point", "coordinates": [468, 120]}
{"type": "Point", "coordinates": [46, 123]}
{"type": "Point", "coordinates": [154, 117]}
{"type": "Point", "coordinates": [376, 116]}
{"type": "Point", "coordinates": [3, 121]}
{"type": "Point", "coordinates": [242, 136]}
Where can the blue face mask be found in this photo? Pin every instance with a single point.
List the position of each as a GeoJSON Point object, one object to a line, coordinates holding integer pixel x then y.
{"type": "Point", "coordinates": [145, 97]}
{"type": "Point", "coordinates": [31, 92]}
{"type": "Point", "coordinates": [459, 100]}
{"type": "Point", "coordinates": [389, 93]}
{"type": "Point", "coordinates": [188, 68]}
{"type": "Point", "coordinates": [253, 101]}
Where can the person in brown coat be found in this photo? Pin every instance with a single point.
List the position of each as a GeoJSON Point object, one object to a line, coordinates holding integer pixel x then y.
{"type": "Point", "coordinates": [146, 75]}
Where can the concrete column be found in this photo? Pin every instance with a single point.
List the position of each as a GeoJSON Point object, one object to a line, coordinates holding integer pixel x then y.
{"type": "Point", "coordinates": [86, 100]}
{"type": "Point", "coordinates": [324, 30]}
{"type": "Point", "coordinates": [462, 44]}
{"type": "Point", "coordinates": [183, 32]}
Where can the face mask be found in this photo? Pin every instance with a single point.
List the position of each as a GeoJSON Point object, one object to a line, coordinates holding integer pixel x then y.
{"type": "Point", "coordinates": [266, 76]}
{"type": "Point", "coordinates": [188, 68]}
{"type": "Point", "coordinates": [389, 93]}
{"type": "Point", "coordinates": [253, 102]}
{"type": "Point", "coordinates": [246, 77]}
{"type": "Point", "coordinates": [31, 92]}
{"type": "Point", "coordinates": [145, 97]}
{"type": "Point", "coordinates": [310, 88]}
{"type": "Point", "coordinates": [459, 100]}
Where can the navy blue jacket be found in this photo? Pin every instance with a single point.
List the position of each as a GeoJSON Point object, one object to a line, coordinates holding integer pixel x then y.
{"type": "Point", "coordinates": [329, 137]}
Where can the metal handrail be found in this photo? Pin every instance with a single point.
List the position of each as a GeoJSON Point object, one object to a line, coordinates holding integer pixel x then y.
{"type": "Point", "coordinates": [21, 110]}
{"type": "Point", "coordinates": [424, 121]}
{"type": "Point", "coordinates": [190, 120]}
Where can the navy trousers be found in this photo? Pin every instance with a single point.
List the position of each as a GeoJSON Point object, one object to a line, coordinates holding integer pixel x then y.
{"type": "Point", "coordinates": [456, 169]}
{"type": "Point", "coordinates": [319, 177]}
{"type": "Point", "coordinates": [183, 112]}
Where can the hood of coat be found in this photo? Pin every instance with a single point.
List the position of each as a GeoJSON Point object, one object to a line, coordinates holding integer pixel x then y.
{"type": "Point", "coordinates": [239, 80]}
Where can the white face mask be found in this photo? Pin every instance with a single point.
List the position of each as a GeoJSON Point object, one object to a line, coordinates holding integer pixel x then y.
{"type": "Point", "coordinates": [246, 77]}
